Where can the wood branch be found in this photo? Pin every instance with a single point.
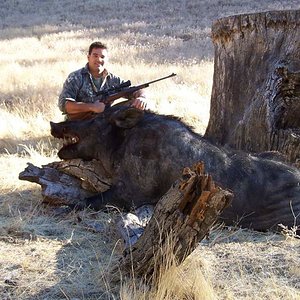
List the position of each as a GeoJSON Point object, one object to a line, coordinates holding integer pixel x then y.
{"type": "Point", "coordinates": [256, 86]}
{"type": "Point", "coordinates": [68, 182]}
{"type": "Point", "coordinates": [182, 218]}
{"type": "Point", "coordinates": [58, 188]}
{"type": "Point", "coordinates": [93, 175]}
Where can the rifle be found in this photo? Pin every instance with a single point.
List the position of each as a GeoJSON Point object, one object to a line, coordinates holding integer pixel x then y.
{"type": "Point", "coordinates": [124, 90]}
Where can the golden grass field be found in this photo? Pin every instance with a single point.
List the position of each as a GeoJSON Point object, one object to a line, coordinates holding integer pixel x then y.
{"type": "Point", "coordinates": [48, 253]}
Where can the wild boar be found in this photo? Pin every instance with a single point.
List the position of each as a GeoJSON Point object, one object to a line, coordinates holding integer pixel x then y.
{"type": "Point", "coordinates": [145, 153]}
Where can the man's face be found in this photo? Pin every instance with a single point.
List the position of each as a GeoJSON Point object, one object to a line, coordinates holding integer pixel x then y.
{"type": "Point", "coordinates": [97, 60]}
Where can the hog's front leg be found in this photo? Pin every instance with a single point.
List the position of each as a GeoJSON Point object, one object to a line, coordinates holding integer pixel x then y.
{"type": "Point", "coordinates": [110, 197]}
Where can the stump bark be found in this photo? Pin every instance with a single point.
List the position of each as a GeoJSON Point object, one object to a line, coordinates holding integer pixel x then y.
{"type": "Point", "coordinates": [255, 102]}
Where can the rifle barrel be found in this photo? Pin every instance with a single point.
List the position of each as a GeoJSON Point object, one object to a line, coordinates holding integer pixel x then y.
{"type": "Point", "coordinates": [118, 92]}
{"type": "Point", "coordinates": [172, 75]}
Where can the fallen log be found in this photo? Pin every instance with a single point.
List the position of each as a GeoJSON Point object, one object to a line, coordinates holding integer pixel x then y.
{"type": "Point", "coordinates": [68, 182]}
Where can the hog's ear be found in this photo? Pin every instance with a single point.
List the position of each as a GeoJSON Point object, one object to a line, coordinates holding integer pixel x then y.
{"type": "Point", "coordinates": [127, 118]}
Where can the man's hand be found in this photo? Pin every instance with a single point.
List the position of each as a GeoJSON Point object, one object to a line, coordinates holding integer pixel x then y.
{"type": "Point", "coordinates": [139, 103]}
{"type": "Point", "coordinates": [139, 100]}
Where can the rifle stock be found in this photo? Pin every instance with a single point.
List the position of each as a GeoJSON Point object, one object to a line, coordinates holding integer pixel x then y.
{"type": "Point", "coordinates": [125, 93]}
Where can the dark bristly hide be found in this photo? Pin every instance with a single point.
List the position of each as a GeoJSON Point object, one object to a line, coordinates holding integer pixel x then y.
{"type": "Point", "coordinates": [144, 154]}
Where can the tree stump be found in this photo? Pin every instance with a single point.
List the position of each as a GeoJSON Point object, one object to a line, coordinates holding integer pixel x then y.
{"type": "Point", "coordinates": [255, 102]}
{"type": "Point", "coordinates": [181, 219]}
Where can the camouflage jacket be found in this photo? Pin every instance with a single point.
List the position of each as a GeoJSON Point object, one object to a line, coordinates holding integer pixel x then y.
{"type": "Point", "coordinates": [80, 87]}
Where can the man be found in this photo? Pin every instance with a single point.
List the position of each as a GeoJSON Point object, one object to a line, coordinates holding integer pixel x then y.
{"type": "Point", "coordinates": [78, 97]}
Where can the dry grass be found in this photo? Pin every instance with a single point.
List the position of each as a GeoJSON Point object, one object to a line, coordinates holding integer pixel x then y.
{"type": "Point", "coordinates": [51, 253]}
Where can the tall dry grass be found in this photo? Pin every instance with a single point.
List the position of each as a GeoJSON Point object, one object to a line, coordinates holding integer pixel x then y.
{"type": "Point", "coordinates": [52, 253]}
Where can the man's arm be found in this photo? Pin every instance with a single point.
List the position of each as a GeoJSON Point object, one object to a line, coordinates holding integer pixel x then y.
{"type": "Point", "coordinates": [68, 104]}
{"type": "Point", "coordinates": [68, 99]}
{"type": "Point", "coordinates": [73, 107]}
{"type": "Point", "coordinates": [138, 99]}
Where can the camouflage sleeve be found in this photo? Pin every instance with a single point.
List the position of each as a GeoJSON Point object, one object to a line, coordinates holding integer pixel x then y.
{"type": "Point", "coordinates": [70, 90]}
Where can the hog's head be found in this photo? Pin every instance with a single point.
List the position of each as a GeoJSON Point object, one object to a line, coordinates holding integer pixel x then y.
{"type": "Point", "coordinates": [95, 138]}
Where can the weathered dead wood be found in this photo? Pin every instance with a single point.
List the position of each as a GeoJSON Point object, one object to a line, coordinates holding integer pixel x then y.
{"type": "Point", "coordinates": [93, 175]}
{"type": "Point", "coordinates": [68, 182]}
{"type": "Point", "coordinates": [182, 218]}
{"type": "Point", "coordinates": [255, 102]}
{"type": "Point", "coordinates": [58, 188]}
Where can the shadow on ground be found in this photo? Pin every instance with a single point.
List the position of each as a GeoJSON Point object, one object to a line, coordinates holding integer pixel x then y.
{"type": "Point", "coordinates": [56, 253]}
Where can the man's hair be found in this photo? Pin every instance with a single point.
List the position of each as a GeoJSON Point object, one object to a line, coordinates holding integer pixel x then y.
{"type": "Point", "coordinates": [97, 45]}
